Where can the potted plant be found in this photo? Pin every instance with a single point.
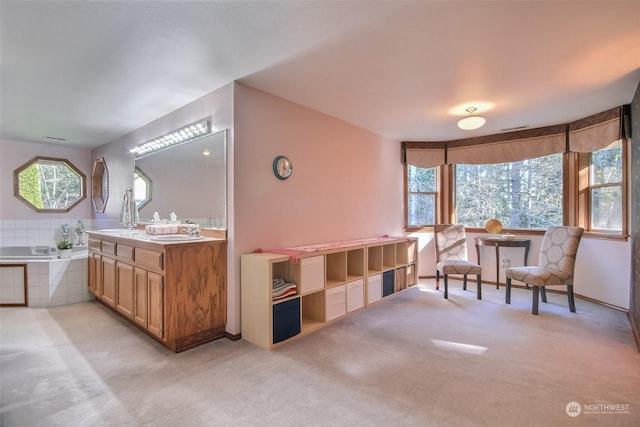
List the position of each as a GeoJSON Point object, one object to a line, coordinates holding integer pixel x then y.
{"type": "Point", "coordinates": [64, 245]}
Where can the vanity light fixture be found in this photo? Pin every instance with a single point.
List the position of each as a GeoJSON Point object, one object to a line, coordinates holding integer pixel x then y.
{"type": "Point", "coordinates": [471, 121]}
{"type": "Point", "coordinates": [176, 137]}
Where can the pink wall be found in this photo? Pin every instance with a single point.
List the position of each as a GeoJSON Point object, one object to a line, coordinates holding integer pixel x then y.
{"type": "Point", "coordinates": [14, 154]}
{"type": "Point", "coordinates": [346, 182]}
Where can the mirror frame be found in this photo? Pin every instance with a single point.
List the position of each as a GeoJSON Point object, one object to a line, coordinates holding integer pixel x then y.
{"type": "Point", "coordinates": [100, 185]}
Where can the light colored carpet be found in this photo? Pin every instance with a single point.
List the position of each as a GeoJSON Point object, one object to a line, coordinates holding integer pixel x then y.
{"type": "Point", "coordinates": [414, 359]}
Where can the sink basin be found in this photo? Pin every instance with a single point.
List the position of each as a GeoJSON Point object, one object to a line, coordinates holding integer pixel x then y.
{"type": "Point", "coordinates": [174, 238]}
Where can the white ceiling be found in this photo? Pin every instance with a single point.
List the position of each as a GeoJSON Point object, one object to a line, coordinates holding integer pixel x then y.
{"type": "Point", "coordinates": [90, 72]}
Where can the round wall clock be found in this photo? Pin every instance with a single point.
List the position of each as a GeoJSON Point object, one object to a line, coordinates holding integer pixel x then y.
{"type": "Point", "coordinates": [282, 167]}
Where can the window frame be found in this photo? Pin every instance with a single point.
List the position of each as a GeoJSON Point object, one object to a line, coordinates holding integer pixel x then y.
{"type": "Point", "coordinates": [436, 194]}
{"type": "Point", "coordinates": [37, 159]}
{"type": "Point", "coordinates": [584, 192]}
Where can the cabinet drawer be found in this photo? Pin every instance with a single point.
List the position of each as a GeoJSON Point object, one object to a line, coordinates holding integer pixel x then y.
{"type": "Point", "coordinates": [335, 302]}
{"type": "Point", "coordinates": [355, 295]}
{"type": "Point", "coordinates": [374, 288]}
{"type": "Point", "coordinates": [125, 251]}
{"type": "Point", "coordinates": [311, 274]}
{"type": "Point", "coordinates": [109, 247]}
{"type": "Point", "coordinates": [149, 258]}
{"type": "Point", "coordinates": [95, 244]}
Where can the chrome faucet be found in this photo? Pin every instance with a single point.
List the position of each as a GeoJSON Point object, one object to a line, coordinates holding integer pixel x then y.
{"type": "Point", "coordinates": [193, 232]}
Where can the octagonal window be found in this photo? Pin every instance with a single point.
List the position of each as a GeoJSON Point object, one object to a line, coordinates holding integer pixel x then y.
{"type": "Point", "coordinates": [47, 184]}
{"type": "Point", "coordinates": [142, 188]}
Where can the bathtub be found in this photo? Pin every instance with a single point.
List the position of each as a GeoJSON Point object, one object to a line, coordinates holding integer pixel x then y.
{"type": "Point", "coordinates": [47, 280]}
{"type": "Point", "coordinates": [42, 253]}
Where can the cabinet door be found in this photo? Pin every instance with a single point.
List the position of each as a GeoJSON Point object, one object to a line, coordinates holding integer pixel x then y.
{"type": "Point", "coordinates": [109, 281]}
{"type": "Point", "coordinates": [155, 309]}
{"type": "Point", "coordinates": [91, 279]}
{"type": "Point", "coordinates": [141, 298]}
{"type": "Point", "coordinates": [125, 284]}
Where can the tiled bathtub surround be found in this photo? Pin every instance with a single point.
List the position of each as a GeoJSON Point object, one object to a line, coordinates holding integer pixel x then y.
{"type": "Point", "coordinates": [50, 283]}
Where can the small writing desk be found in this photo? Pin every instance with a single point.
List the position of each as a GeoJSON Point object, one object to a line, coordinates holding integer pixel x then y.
{"type": "Point", "coordinates": [497, 243]}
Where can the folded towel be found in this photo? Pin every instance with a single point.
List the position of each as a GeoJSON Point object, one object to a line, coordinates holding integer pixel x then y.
{"type": "Point", "coordinates": [161, 229]}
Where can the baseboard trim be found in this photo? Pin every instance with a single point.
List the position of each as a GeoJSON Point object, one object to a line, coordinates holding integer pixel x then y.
{"type": "Point", "coordinates": [553, 291]}
{"type": "Point", "coordinates": [232, 337]}
{"type": "Point", "coordinates": [634, 329]}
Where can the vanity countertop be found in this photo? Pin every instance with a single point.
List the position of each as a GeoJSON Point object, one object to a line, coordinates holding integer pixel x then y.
{"type": "Point", "coordinates": [162, 239]}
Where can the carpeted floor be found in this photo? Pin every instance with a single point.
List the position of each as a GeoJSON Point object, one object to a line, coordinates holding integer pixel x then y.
{"type": "Point", "coordinates": [414, 359]}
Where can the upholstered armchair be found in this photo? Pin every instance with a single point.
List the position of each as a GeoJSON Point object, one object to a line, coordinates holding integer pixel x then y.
{"type": "Point", "coordinates": [451, 256]}
{"type": "Point", "coordinates": [556, 266]}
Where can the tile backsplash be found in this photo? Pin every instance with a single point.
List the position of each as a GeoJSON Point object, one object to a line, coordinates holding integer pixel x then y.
{"type": "Point", "coordinates": [45, 232]}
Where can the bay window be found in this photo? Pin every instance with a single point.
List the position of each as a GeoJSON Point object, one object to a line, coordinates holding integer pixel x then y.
{"type": "Point", "coordinates": [568, 174]}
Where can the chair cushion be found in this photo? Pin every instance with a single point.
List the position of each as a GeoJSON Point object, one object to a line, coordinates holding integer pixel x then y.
{"type": "Point", "coordinates": [539, 276]}
{"type": "Point", "coordinates": [458, 267]}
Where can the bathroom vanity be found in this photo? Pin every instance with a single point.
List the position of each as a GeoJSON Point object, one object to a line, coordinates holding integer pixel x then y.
{"type": "Point", "coordinates": [173, 289]}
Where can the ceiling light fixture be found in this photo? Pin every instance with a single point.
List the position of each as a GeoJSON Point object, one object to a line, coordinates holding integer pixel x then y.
{"type": "Point", "coordinates": [179, 136]}
{"type": "Point", "coordinates": [472, 121]}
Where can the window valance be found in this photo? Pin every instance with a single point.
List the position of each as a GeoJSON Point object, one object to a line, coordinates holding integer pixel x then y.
{"type": "Point", "coordinates": [509, 147]}
{"type": "Point", "coordinates": [597, 131]}
{"type": "Point", "coordinates": [585, 135]}
{"type": "Point", "coordinates": [424, 156]}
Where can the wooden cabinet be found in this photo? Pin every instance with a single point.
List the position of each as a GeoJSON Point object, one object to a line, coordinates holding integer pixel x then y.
{"type": "Point", "coordinates": [176, 292]}
{"type": "Point", "coordinates": [330, 284]}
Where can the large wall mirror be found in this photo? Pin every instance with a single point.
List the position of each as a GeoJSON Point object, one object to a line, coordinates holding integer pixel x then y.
{"type": "Point", "coordinates": [189, 179]}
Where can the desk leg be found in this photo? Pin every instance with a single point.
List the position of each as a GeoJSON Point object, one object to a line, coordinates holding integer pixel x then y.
{"type": "Point", "coordinates": [497, 267]}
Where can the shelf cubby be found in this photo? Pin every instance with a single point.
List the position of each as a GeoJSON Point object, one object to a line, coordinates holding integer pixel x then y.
{"type": "Point", "coordinates": [374, 259]}
{"type": "Point", "coordinates": [388, 256]}
{"type": "Point", "coordinates": [313, 311]}
{"type": "Point", "coordinates": [412, 251]}
{"type": "Point", "coordinates": [336, 269]}
{"type": "Point", "coordinates": [402, 253]}
{"type": "Point", "coordinates": [355, 264]}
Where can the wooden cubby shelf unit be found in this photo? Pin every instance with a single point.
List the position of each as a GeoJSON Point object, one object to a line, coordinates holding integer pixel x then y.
{"type": "Point", "coordinates": [330, 284]}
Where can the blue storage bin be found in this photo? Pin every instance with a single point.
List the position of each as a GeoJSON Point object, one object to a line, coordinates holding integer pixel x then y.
{"type": "Point", "coordinates": [286, 320]}
{"type": "Point", "coordinates": [388, 280]}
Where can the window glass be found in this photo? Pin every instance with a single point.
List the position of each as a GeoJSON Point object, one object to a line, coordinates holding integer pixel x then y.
{"type": "Point", "coordinates": [606, 188]}
{"type": "Point", "coordinates": [524, 194]}
{"type": "Point", "coordinates": [421, 196]}
{"type": "Point", "coordinates": [606, 165]}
